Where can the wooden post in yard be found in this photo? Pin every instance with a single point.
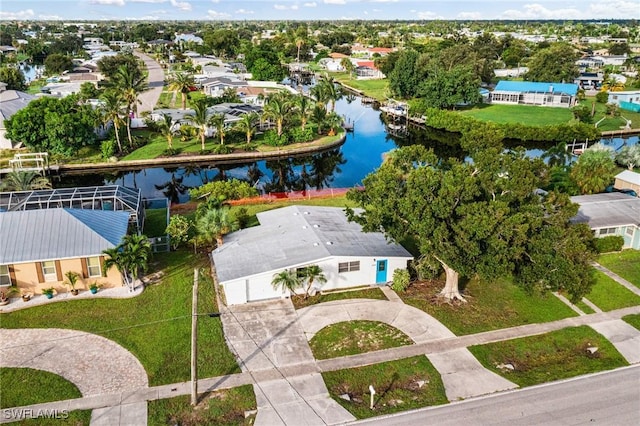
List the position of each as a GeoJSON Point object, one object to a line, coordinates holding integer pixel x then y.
{"type": "Point", "coordinates": [194, 342]}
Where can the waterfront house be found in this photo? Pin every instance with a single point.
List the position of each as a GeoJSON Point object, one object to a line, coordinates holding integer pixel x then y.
{"type": "Point", "coordinates": [629, 100]}
{"type": "Point", "coordinates": [295, 237]}
{"type": "Point", "coordinates": [628, 180]}
{"type": "Point", "coordinates": [535, 93]}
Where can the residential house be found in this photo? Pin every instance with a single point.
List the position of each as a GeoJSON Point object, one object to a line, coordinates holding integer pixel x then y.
{"type": "Point", "coordinates": [37, 247]}
{"type": "Point", "coordinates": [295, 237]}
{"type": "Point", "coordinates": [612, 213]}
{"type": "Point", "coordinates": [591, 80]}
{"type": "Point", "coordinates": [535, 93]}
{"type": "Point", "coordinates": [11, 101]}
{"type": "Point", "coordinates": [629, 100]}
{"type": "Point", "coordinates": [215, 86]}
{"type": "Point", "coordinates": [368, 69]}
{"type": "Point", "coordinates": [628, 180]}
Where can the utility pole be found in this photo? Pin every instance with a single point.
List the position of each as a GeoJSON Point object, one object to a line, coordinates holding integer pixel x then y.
{"type": "Point", "coordinates": [194, 340]}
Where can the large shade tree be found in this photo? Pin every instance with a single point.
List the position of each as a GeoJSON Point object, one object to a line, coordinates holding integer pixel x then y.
{"type": "Point", "coordinates": [556, 63]}
{"type": "Point", "coordinates": [481, 217]}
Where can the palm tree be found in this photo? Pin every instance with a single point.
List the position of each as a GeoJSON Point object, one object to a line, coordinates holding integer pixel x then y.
{"type": "Point", "coordinates": [319, 116]}
{"type": "Point", "coordinates": [200, 118]}
{"type": "Point", "coordinates": [166, 129]}
{"type": "Point", "coordinates": [130, 84]}
{"type": "Point", "coordinates": [319, 93]}
{"type": "Point", "coordinates": [348, 66]}
{"type": "Point", "coordinates": [130, 257]}
{"type": "Point", "coordinates": [286, 280]}
{"type": "Point", "coordinates": [330, 91]}
{"type": "Point", "coordinates": [277, 108]}
{"type": "Point", "coordinates": [24, 180]}
{"type": "Point", "coordinates": [182, 82]}
{"type": "Point", "coordinates": [218, 121]}
{"type": "Point", "coordinates": [214, 224]}
{"type": "Point", "coordinates": [334, 121]}
{"type": "Point", "coordinates": [310, 274]}
{"type": "Point", "coordinates": [557, 155]}
{"type": "Point", "coordinates": [247, 125]}
{"type": "Point", "coordinates": [303, 109]}
{"type": "Point", "coordinates": [111, 111]}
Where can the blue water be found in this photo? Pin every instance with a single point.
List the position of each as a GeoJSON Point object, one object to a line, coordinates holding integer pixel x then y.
{"type": "Point", "coordinates": [344, 167]}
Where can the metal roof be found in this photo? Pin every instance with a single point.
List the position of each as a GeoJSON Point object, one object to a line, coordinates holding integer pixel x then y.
{"type": "Point", "coordinates": [607, 210]}
{"type": "Point", "coordinates": [536, 87]}
{"type": "Point", "coordinates": [629, 176]}
{"type": "Point", "coordinates": [12, 101]}
{"type": "Point", "coordinates": [49, 234]}
{"type": "Point", "coordinates": [297, 235]}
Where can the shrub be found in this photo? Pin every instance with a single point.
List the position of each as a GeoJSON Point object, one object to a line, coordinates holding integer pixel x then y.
{"type": "Point", "coordinates": [232, 189]}
{"type": "Point", "coordinates": [169, 152]}
{"type": "Point", "coordinates": [401, 280]}
{"type": "Point", "coordinates": [602, 97]}
{"type": "Point", "coordinates": [222, 149]}
{"type": "Point", "coordinates": [298, 135]}
{"type": "Point", "coordinates": [108, 147]}
{"type": "Point", "coordinates": [609, 244]}
{"type": "Point", "coordinates": [271, 138]}
{"type": "Point", "coordinates": [242, 217]}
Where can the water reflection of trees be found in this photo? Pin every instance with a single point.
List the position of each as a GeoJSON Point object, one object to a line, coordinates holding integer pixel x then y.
{"type": "Point", "coordinates": [173, 188]}
{"type": "Point", "coordinates": [316, 172]}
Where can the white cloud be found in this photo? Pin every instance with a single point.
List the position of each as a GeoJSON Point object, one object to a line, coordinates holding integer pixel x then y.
{"type": "Point", "coordinates": [149, 18]}
{"type": "Point", "coordinates": [335, 2]}
{"type": "Point", "coordinates": [182, 5]}
{"type": "Point", "coordinates": [383, 1]}
{"type": "Point", "coordinates": [377, 10]}
{"type": "Point", "coordinates": [429, 15]}
{"type": "Point", "coordinates": [244, 12]}
{"type": "Point", "coordinates": [17, 16]}
{"type": "Point", "coordinates": [50, 17]}
{"type": "Point", "coordinates": [108, 2]}
{"type": "Point", "coordinates": [310, 4]}
{"type": "Point", "coordinates": [212, 14]}
{"type": "Point", "coordinates": [285, 7]}
{"type": "Point", "coordinates": [215, 1]}
{"type": "Point", "coordinates": [538, 11]}
{"type": "Point", "coordinates": [469, 15]}
{"type": "Point", "coordinates": [147, 1]}
{"type": "Point", "coordinates": [615, 9]}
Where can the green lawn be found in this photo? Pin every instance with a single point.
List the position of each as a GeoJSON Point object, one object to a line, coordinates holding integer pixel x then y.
{"type": "Point", "coordinates": [611, 123]}
{"type": "Point", "coordinates": [157, 146]}
{"type": "Point", "coordinates": [356, 337]}
{"type": "Point", "coordinates": [584, 307]}
{"type": "Point", "coordinates": [377, 89]}
{"type": "Point", "coordinates": [70, 418]}
{"type": "Point", "coordinates": [525, 114]}
{"type": "Point", "coordinates": [397, 385]}
{"type": "Point", "coordinates": [608, 295]}
{"type": "Point", "coordinates": [625, 263]}
{"type": "Point", "coordinates": [155, 222]}
{"type": "Point", "coordinates": [27, 386]}
{"type": "Point", "coordinates": [552, 356]}
{"type": "Point", "coordinates": [491, 305]}
{"type": "Point", "coordinates": [633, 319]}
{"type": "Point", "coordinates": [155, 326]}
{"type": "Point", "coordinates": [367, 293]}
{"type": "Point", "coordinates": [225, 407]}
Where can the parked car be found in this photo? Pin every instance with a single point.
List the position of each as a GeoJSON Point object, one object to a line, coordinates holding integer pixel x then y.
{"type": "Point", "coordinates": [627, 191]}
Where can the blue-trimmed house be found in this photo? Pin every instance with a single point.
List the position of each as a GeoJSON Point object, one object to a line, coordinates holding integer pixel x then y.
{"type": "Point", "coordinates": [535, 93]}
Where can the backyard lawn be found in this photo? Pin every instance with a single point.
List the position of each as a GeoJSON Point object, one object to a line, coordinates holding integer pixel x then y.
{"type": "Point", "coordinates": [400, 385]}
{"type": "Point", "coordinates": [552, 356]}
{"type": "Point", "coordinates": [491, 305]}
{"type": "Point", "coordinates": [625, 263]}
{"type": "Point", "coordinates": [27, 386]}
{"type": "Point", "coordinates": [607, 294]}
{"type": "Point", "coordinates": [607, 122]}
{"type": "Point", "coordinates": [525, 114]}
{"type": "Point", "coordinates": [155, 326]}
{"type": "Point", "coordinates": [377, 89]}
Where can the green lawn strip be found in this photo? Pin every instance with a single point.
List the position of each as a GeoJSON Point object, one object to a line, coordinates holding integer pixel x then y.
{"type": "Point", "coordinates": [633, 319]}
{"type": "Point", "coordinates": [584, 307]}
{"type": "Point", "coordinates": [155, 222]}
{"type": "Point", "coordinates": [552, 356]}
{"type": "Point", "coordinates": [607, 294]}
{"type": "Point", "coordinates": [528, 114]}
{"type": "Point", "coordinates": [491, 305]}
{"type": "Point", "coordinates": [375, 88]}
{"type": "Point", "coordinates": [28, 386]}
{"type": "Point", "coordinates": [356, 337]}
{"type": "Point", "coordinates": [397, 385]}
{"type": "Point", "coordinates": [224, 407]}
{"type": "Point", "coordinates": [155, 326]}
{"type": "Point", "coordinates": [367, 293]}
{"type": "Point", "coordinates": [69, 418]}
{"type": "Point", "coordinates": [625, 263]}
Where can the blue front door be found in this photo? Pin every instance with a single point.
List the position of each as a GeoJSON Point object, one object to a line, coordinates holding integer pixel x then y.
{"type": "Point", "coordinates": [381, 271]}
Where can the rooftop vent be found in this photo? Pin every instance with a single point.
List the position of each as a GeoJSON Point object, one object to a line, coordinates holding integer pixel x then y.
{"type": "Point", "coordinates": [307, 212]}
{"type": "Point", "coordinates": [329, 243]}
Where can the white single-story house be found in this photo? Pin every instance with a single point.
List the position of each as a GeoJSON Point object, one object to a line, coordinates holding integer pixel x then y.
{"type": "Point", "coordinates": [611, 213]}
{"type": "Point", "coordinates": [628, 180]}
{"type": "Point", "coordinates": [11, 101]}
{"type": "Point", "coordinates": [631, 96]}
{"type": "Point", "coordinates": [535, 93]}
{"type": "Point", "coordinates": [295, 237]}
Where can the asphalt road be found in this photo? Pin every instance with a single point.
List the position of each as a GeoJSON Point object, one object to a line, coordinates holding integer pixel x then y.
{"type": "Point", "coordinates": [611, 398]}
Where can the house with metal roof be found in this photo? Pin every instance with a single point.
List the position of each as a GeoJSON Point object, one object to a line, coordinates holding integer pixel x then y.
{"type": "Point", "coordinates": [534, 93]}
{"type": "Point", "coordinates": [11, 101]}
{"type": "Point", "coordinates": [38, 247]}
{"type": "Point", "coordinates": [627, 179]}
{"type": "Point", "coordinates": [295, 237]}
{"type": "Point", "coordinates": [611, 213]}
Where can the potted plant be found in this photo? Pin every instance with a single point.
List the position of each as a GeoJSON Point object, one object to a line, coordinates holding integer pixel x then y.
{"type": "Point", "coordinates": [71, 281]}
{"type": "Point", "coordinates": [93, 287]}
{"type": "Point", "coordinates": [48, 292]}
{"type": "Point", "coordinates": [5, 294]}
{"type": "Point", "coordinates": [26, 296]}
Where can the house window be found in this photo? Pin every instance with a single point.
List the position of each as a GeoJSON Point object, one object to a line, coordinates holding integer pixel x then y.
{"type": "Point", "coordinates": [49, 271]}
{"type": "Point", "coordinates": [349, 266]}
{"type": "Point", "coordinates": [93, 267]}
{"type": "Point", "coordinates": [608, 231]}
{"type": "Point", "coordinates": [629, 231]}
{"type": "Point", "coordinates": [5, 277]}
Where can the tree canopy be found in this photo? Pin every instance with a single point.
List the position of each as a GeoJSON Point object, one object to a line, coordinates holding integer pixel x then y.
{"type": "Point", "coordinates": [556, 63]}
{"type": "Point", "coordinates": [480, 217]}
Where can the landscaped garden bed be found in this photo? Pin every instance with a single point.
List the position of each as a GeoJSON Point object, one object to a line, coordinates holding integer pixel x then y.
{"type": "Point", "coordinates": [367, 293]}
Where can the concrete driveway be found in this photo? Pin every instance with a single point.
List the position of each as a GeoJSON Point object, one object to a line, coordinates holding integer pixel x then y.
{"type": "Point", "coordinates": [149, 98]}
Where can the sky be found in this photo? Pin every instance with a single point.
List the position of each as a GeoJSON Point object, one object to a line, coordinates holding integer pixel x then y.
{"type": "Point", "coordinates": [91, 10]}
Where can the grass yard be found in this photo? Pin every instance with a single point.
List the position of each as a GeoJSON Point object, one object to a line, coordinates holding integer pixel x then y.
{"type": "Point", "coordinates": [608, 295]}
{"type": "Point", "coordinates": [633, 319]}
{"type": "Point", "coordinates": [157, 146]}
{"type": "Point", "coordinates": [155, 222]}
{"type": "Point", "coordinates": [611, 123]}
{"type": "Point", "coordinates": [377, 89]}
{"type": "Point", "coordinates": [491, 305]}
{"type": "Point", "coordinates": [552, 356]}
{"type": "Point", "coordinates": [400, 385]}
{"type": "Point", "coordinates": [73, 418]}
{"type": "Point", "coordinates": [155, 326]}
{"type": "Point", "coordinates": [225, 407]}
{"type": "Point", "coordinates": [28, 386]}
{"type": "Point", "coordinates": [584, 307]}
{"type": "Point", "coordinates": [525, 114]}
{"type": "Point", "coordinates": [367, 293]}
{"type": "Point", "coordinates": [356, 337]}
{"type": "Point", "coordinates": [625, 263]}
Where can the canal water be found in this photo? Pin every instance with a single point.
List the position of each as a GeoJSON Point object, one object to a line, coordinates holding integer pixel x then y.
{"type": "Point", "coordinates": [344, 167]}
